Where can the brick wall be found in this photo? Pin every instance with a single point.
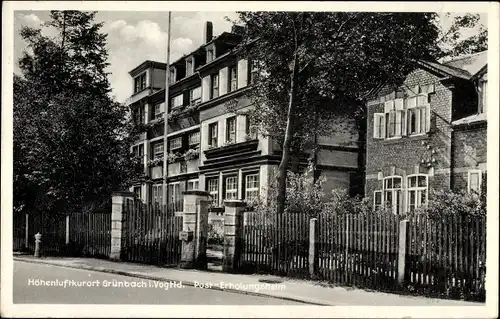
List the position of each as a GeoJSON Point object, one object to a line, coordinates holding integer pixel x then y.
{"type": "Point", "coordinates": [469, 152]}
{"type": "Point", "coordinates": [403, 156]}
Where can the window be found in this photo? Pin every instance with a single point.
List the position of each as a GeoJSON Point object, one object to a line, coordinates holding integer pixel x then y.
{"type": "Point", "coordinates": [231, 188]}
{"type": "Point", "coordinates": [192, 184]}
{"type": "Point", "coordinates": [233, 78]}
{"type": "Point", "coordinates": [213, 189]}
{"type": "Point", "coordinates": [140, 82]}
{"type": "Point", "coordinates": [194, 138]}
{"type": "Point", "coordinates": [172, 77]}
{"type": "Point", "coordinates": [251, 129]}
{"type": "Point", "coordinates": [394, 118]}
{"type": "Point", "coordinates": [158, 149]}
{"type": "Point", "coordinates": [157, 193]}
{"type": "Point", "coordinates": [418, 114]}
{"type": "Point", "coordinates": [158, 110]}
{"type": "Point", "coordinates": [378, 125]}
{"type": "Point", "coordinates": [175, 143]}
{"type": "Point", "coordinates": [377, 200]}
{"type": "Point", "coordinates": [212, 134]}
{"type": "Point", "coordinates": [137, 192]}
{"type": "Point", "coordinates": [417, 191]}
{"type": "Point", "coordinates": [174, 194]}
{"type": "Point", "coordinates": [189, 66]}
{"type": "Point", "coordinates": [214, 86]}
{"type": "Point", "coordinates": [231, 129]}
{"type": "Point", "coordinates": [177, 101]}
{"type": "Point", "coordinates": [139, 117]}
{"type": "Point", "coordinates": [252, 187]}
{"type": "Point", "coordinates": [138, 150]}
{"type": "Point", "coordinates": [195, 96]}
{"type": "Point", "coordinates": [392, 193]}
{"type": "Point", "coordinates": [474, 179]}
{"type": "Point", "coordinates": [253, 71]}
{"type": "Point", "coordinates": [210, 55]}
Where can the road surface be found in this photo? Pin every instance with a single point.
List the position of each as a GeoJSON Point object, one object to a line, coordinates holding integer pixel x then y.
{"type": "Point", "coordinates": [40, 283]}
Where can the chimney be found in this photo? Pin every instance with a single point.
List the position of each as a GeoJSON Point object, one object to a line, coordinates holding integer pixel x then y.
{"type": "Point", "coordinates": [208, 32]}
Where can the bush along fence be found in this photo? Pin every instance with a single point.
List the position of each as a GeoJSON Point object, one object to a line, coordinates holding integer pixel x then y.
{"type": "Point", "coordinates": [422, 254]}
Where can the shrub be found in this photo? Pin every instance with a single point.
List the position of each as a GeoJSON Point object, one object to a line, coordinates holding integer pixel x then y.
{"type": "Point", "coordinates": [450, 202]}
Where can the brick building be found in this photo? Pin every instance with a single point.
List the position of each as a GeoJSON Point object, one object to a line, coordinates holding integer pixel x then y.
{"type": "Point", "coordinates": [429, 133]}
{"type": "Point", "coordinates": [209, 147]}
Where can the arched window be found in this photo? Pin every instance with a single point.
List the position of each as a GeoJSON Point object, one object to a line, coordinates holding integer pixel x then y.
{"type": "Point", "coordinates": [393, 198]}
{"type": "Point", "coordinates": [416, 191]}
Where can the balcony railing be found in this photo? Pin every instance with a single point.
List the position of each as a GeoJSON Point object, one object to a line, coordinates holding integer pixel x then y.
{"type": "Point", "coordinates": [183, 167]}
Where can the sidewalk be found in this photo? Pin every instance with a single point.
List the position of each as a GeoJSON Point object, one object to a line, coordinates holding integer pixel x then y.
{"type": "Point", "coordinates": [296, 290]}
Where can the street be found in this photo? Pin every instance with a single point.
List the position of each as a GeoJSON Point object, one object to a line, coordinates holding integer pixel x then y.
{"type": "Point", "coordinates": [39, 283]}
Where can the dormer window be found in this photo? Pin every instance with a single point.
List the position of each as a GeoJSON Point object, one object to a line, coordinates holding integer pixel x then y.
{"type": "Point", "coordinates": [189, 66]}
{"type": "Point", "coordinates": [140, 82]}
{"type": "Point", "coordinates": [210, 54]}
{"type": "Point", "coordinates": [173, 74]}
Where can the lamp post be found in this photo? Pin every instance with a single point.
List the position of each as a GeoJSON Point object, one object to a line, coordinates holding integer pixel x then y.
{"type": "Point", "coordinates": [165, 116]}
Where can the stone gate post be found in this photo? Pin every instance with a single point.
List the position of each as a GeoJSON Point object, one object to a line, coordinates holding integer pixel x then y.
{"type": "Point", "coordinates": [117, 230]}
{"type": "Point", "coordinates": [195, 229]}
{"type": "Point", "coordinates": [233, 232]}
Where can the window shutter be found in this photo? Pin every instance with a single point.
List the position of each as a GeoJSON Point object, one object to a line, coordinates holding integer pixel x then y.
{"type": "Point", "coordinates": [242, 73]}
{"type": "Point", "coordinates": [376, 125]}
{"type": "Point", "coordinates": [428, 118]}
{"type": "Point", "coordinates": [382, 125]}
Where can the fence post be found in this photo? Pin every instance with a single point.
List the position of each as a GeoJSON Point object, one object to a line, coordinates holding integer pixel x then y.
{"type": "Point", "coordinates": [403, 226]}
{"type": "Point", "coordinates": [194, 229]}
{"type": "Point", "coordinates": [233, 228]}
{"type": "Point", "coordinates": [313, 254]}
{"type": "Point", "coordinates": [67, 229]}
{"type": "Point", "coordinates": [117, 201]}
{"type": "Point", "coordinates": [26, 235]}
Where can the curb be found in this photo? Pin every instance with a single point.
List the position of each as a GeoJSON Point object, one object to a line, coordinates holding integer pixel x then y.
{"type": "Point", "coordinates": [186, 283]}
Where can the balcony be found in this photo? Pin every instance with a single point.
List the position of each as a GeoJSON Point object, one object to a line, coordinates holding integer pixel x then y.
{"type": "Point", "coordinates": [156, 171]}
{"type": "Point", "coordinates": [183, 167]}
{"type": "Point", "coordinates": [138, 96]}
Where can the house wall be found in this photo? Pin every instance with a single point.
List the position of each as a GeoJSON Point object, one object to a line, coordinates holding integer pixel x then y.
{"type": "Point", "coordinates": [403, 156]}
{"type": "Point", "coordinates": [469, 153]}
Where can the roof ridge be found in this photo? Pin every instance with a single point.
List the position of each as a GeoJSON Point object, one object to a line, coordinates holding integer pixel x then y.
{"type": "Point", "coordinates": [465, 56]}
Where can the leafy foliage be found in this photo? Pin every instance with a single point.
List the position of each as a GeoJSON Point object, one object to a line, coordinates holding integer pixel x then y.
{"type": "Point", "coordinates": [312, 67]}
{"type": "Point", "coordinates": [71, 140]}
{"type": "Point", "coordinates": [456, 44]}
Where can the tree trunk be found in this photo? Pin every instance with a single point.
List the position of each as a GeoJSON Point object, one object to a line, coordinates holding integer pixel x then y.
{"type": "Point", "coordinates": [282, 168]}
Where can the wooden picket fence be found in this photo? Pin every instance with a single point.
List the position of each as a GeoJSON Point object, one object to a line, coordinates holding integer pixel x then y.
{"type": "Point", "coordinates": [150, 234]}
{"type": "Point", "coordinates": [447, 254]}
{"type": "Point", "coordinates": [276, 244]}
{"type": "Point", "coordinates": [358, 250]}
{"type": "Point", "coordinates": [443, 256]}
{"type": "Point", "coordinates": [90, 234]}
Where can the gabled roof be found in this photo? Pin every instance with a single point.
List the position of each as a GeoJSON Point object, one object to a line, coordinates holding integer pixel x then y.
{"type": "Point", "coordinates": [472, 63]}
{"type": "Point", "coordinates": [475, 118]}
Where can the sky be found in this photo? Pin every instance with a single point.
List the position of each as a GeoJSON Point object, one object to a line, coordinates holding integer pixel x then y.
{"type": "Point", "coordinates": [136, 36]}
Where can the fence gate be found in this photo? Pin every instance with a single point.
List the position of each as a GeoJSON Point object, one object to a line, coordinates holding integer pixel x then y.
{"type": "Point", "coordinates": [150, 234]}
{"type": "Point", "coordinates": [90, 234]}
{"type": "Point", "coordinates": [215, 240]}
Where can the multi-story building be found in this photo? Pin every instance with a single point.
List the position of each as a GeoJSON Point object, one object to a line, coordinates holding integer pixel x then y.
{"type": "Point", "coordinates": [429, 133]}
{"type": "Point", "coordinates": [211, 148]}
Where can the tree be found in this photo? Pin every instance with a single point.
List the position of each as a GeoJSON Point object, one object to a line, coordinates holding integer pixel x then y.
{"type": "Point", "coordinates": [71, 140]}
{"type": "Point", "coordinates": [453, 41]}
{"type": "Point", "coordinates": [313, 65]}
